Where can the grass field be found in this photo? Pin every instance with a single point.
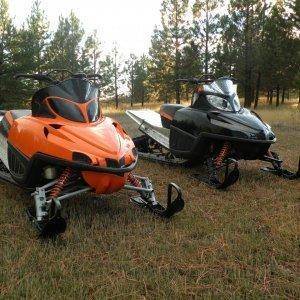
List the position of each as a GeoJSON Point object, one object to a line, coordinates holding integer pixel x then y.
{"type": "Point", "coordinates": [242, 243]}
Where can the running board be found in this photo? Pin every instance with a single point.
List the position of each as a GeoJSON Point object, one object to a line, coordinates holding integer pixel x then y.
{"type": "Point", "coordinates": [162, 159]}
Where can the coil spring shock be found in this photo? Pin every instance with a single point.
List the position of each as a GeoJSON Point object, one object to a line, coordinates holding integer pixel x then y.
{"type": "Point", "coordinates": [62, 181]}
{"type": "Point", "coordinates": [222, 154]}
{"type": "Point", "coordinates": [133, 180]}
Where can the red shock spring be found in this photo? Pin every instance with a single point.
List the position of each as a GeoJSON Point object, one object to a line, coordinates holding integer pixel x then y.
{"type": "Point", "coordinates": [62, 181]}
{"type": "Point", "coordinates": [222, 155]}
{"type": "Point", "coordinates": [133, 180]}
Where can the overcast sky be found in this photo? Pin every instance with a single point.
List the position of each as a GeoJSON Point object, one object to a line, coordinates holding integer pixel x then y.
{"type": "Point", "coordinates": [129, 22]}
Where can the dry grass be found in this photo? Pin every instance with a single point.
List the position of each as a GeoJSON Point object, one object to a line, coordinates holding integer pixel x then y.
{"type": "Point", "coordinates": [242, 243]}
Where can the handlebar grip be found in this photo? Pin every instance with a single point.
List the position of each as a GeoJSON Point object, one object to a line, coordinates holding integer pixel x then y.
{"type": "Point", "coordinates": [94, 76]}
{"type": "Point", "coordinates": [17, 76]}
{"type": "Point", "coordinates": [189, 80]}
{"type": "Point", "coordinates": [33, 76]}
{"type": "Point", "coordinates": [38, 77]}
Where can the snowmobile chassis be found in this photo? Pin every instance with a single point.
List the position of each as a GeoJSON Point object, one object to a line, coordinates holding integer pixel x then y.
{"type": "Point", "coordinates": [154, 146]}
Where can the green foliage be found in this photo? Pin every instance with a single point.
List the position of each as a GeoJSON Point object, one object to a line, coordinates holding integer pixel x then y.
{"type": "Point", "coordinates": [7, 32]}
{"type": "Point", "coordinates": [137, 73]}
{"type": "Point", "coordinates": [256, 42]}
{"type": "Point", "coordinates": [90, 54]}
{"type": "Point", "coordinates": [166, 50]}
{"type": "Point", "coordinates": [64, 48]}
{"type": "Point", "coordinates": [205, 28]}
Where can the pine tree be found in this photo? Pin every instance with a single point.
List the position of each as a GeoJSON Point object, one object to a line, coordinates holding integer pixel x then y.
{"type": "Point", "coordinates": [111, 73]}
{"type": "Point", "coordinates": [140, 83]}
{"type": "Point", "coordinates": [7, 33]}
{"type": "Point", "coordinates": [137, 74]}
{"type": "Point", "coordinates": [29, 44]}
{"type": "Point", "coordinates": [205, 27]}
{"type": "Point", "coordinates": [37, 30]}
{"type": "Point", "coordinates": [106, 70]}
{"type": "Point", "coordinates": [64, 49]}
{"type": "Point", "coordinates": [130, 70]}
{"type": "Point", "coordinates": [245, 18]}
{"type": "Point", "coordinates": [166, 50]}
{"type": "Point", "coordinates": [160, 81]}
{"type": "Point", "coordinates": [90, 54]}
{"type": "Point", "coordinates": [280, 51]}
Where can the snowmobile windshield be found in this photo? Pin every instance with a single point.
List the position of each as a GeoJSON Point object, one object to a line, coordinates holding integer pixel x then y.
{"type": "Point", "coordinates": [77, 90]}
{"type": "Point", "coordinates": [74, 111]}
{"type": "Point", "coordinates": [75, 99]}
{"type": "Point", "coordinates": [222, 94]}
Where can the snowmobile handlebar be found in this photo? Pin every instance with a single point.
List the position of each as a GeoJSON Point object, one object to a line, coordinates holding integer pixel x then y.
{"type": "Point", "coordinates": [38, 77]}
{"type": "Point", "coordinates": [45, 77]}
{"type": "Point", "coordinates": [206, 78]}
{"type": "Point", "coordinates": [188, 80]}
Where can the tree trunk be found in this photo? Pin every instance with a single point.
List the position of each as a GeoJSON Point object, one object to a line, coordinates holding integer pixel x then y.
{"type": "Point", "coordinates": [132, 88]}
{"type": "Point", "coordinates": [299, 95]}
{"type": "Point", "coordinates": [283, 95]}
{"type": "Point", "coordinates": [116, 78]}
{"type": "Point", "coordinates": [206, 38]}
{"type": "Point", "coordinates": [257, 90]}
{"type": "Point", "coordinates": [187, 93]}
{"type": "Point", "coordinates": [177, 84]}
{"type": "Point", "coordinates": [277, 95]}
{"type": "Point", "coordinates": [271, 97]}
{"type": "Point", "coordinates": [177, 58]}
{"type": "Point", "coordinates": [248, 90]}
{"type": "Point", "coordinates": [117, 99]}
{"type": "Point", "coordinates": [248, 68]}
{"type": "Point", "coordinates": [116, 91]}
{"type": "Point", "coordinates": [268, 96]}
{"type": "Point", "coordinates": [143, 96]}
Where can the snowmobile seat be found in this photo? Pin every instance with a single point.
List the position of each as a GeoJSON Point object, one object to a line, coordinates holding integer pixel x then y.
{"type": "Point", "coordinates": [167, 113]}
{"type": "Point", "coordinates": [19, 113]}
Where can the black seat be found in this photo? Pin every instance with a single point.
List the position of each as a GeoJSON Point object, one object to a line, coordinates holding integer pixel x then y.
{"type": "Point", "coordinates": [167, 113]}
{"type": "Point", "coordinates": [19, 113]}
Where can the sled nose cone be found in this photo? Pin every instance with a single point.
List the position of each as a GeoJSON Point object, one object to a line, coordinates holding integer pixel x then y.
{"type": "Point", "coordinates": [103, 137]}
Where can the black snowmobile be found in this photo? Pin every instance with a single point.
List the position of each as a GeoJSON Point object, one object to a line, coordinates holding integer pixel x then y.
{"type": "Point", "coordinates": [214, 131]}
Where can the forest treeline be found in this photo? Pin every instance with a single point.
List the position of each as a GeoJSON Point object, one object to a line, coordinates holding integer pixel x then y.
{"type": "Point", "coordinates": [253, 40]}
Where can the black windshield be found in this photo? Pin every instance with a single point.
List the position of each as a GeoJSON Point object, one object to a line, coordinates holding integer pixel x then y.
{"type": "Point", "coordinates": [77, 90]}
{"type": "Point", "coordinates": [66, 109]}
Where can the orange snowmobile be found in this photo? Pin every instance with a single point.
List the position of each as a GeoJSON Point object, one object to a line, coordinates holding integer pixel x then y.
{"type": "Point", "coordinates": [64, 147]}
